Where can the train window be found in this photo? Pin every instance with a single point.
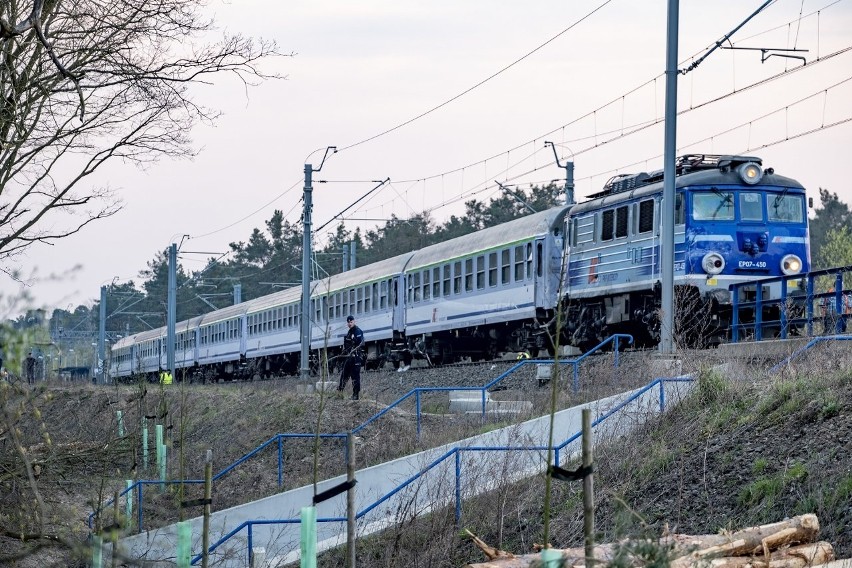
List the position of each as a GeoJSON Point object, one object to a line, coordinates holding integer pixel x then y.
{"type": "Point", "coordinates": [492, 269]}
{"type": "Point", "coordinates": [751, 208]}
{"type": "Point", "coordinates": [360, 308]}
{"type": "Point", "coordinates": [607, 222]}
{"type": "Point", "coordinates": [506, 267]}
{"type": "Point", "coordinates": [375, 295]}
{"type": "Point", "coordinates": [351, 301]}
{"type": "Point", "coordinates": [539, 258]}
{"type": "Point", "coordinates": [646, 216]}
{"type": "Point", "coordinates": [480, 272]}
{"type": "Point", "coordinates": [427, 289]}
{"type": "Point", "coordinates": [680, 209]}
{"type": "Point", "coordinates": [713, 206]}
{"type": "Point", "coordinates": [436, 282]}
{"type": "Point", "coordinates": [468, 275]}
{"type": "Point", "coordinates": [785, 208]}
{"type": "Point", "coordinates": [327, 309]}
{"type": "Point", "coordinates": [414, 282]}
{"type": "Point", "coordinates": [367, 299]}
{"type": "Point", "coordinates": [529, 261]}
{"type": "Point", "coordinates": [519, 264]}
{"type": "Point", "coordinates": [383, 294]}
{"type": "Point", "coordinates": [395, 292]}
{"type": "Point", "coordinates": [447, 278]}
{"type": "Point", "coordinates": [621, 222]}
{"type": "Point", "coordinates": [457, 278]}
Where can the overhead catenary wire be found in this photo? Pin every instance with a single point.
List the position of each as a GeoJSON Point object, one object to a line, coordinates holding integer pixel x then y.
{"type": "Point", "coordinates": [480, 83]}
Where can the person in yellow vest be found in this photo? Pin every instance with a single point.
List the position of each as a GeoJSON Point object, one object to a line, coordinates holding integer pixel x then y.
{"type": "Point", "coordinates": [165, 377]}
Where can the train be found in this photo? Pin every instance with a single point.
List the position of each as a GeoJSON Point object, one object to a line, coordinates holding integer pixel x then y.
{"type": "Point", "coordinates": [571, 275]}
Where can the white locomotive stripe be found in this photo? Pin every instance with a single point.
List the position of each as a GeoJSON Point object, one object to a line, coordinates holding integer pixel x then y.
{"type": "Point", "coordinates": [702, 238]}
{"type": "Point", "coordinates": [788, 239]}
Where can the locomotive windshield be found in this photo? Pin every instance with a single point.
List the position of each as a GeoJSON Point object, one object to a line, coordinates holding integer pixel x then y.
{"type": "Point", "coordinates": [713, 206]}
{"type": "Point", "coordinates": [785, 208]}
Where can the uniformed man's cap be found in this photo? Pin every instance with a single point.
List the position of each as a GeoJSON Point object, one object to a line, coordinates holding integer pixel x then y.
{"type": "Point", "coordinates": [350, 318]}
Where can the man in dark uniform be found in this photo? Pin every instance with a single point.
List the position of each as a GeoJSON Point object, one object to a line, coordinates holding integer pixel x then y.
{"type": "Point", "coordinates": [29, 367]}
{"type": "Point", "coordinates": [353, 346]}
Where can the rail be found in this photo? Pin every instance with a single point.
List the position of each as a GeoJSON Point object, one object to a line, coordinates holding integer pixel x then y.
{"type": "Point", "coordinates": [793, 304]}
{"type": "Point", "coordinates": [138, 486]}
{"type": "Point", "coordinates": [455, 454]}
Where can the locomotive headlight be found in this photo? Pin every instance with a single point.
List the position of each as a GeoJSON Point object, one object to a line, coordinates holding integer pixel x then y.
{"type": "Point", "coordinates": [750, 173]}
{"type": "Point", "coordinates": [791, 264]}
{"type": "Point", "coordinates": [713, 263]}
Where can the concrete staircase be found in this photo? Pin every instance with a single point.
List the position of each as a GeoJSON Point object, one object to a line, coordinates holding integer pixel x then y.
{"type": "Point", "coordinates": [393, 491]}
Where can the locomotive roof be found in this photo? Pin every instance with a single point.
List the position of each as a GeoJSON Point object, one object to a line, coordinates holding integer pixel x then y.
{"type": "Point", "coordinates": [492, 237]}
{"type": "Point", "coordinates": [701, 177]}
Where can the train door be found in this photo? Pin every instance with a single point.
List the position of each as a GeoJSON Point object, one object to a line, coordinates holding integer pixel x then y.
{"type": "Point", "coordinates": [541, 272]}
{"type": "Point", "coordinates": [242, 322]}
{"type": "Point", "coordinates": [397, 287]}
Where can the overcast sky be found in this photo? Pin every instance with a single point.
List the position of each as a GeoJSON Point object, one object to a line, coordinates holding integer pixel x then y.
{"type": "Point", "coordinates": [361, 68]}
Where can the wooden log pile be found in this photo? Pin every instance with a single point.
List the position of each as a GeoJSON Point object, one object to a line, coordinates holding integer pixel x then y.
{"type": "Point", "coordinates": [787, 544]}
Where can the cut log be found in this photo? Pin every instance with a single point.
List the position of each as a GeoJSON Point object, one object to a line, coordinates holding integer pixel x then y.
{"type": "Point", "coordinates": [801, 529]}
{"type": "Point", "coordinates": [796, 557]}
{"type": "Point", "coordinates": [802, 556]}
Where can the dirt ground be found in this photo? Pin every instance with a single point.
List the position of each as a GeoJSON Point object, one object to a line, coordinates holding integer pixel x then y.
{"type": "Point", "coordinates": [749, 449]}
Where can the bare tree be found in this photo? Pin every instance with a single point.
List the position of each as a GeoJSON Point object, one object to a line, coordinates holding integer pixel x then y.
{"type": "Point", "coordinates": [86, 82]}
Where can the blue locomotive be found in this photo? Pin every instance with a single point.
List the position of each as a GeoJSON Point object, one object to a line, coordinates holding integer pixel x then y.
{"type": "Point", "coordinates": [734, 222]}
{"type": "Point", "coordinates": [499, 289]}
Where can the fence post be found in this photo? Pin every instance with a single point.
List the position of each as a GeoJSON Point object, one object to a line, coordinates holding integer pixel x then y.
{"type": "Point", "coordinates": [662, 396]}
{"type": "Point", "coordinates": [588, 490]}
{"type": "Point", "coordinates": [758, 312]}
{"type": "Point", "coordinates": [280, 461]}
{"type": "Point", "coordinates": [576, 376]}
{"type": "Point", "coordinates": [735, 314]}
{"type": "Point", "coordinates": [145, 444]}
{"type": "Point", "coordinates": [128, 504]}
{"type": "Point", "coordinates": [458, 487]}
{"type": "Point", "coordinates": [120, 419]}
{"type": "Point", "coordinates": [417, 410]}
{"type": "Point", "coordinates": [350, 502]}
{"type": "Point", "coordinates": [208, 495]}
{"type": "Point", "coordinates": [114, 531]}
{"type": "Point", "coordinates": [139, 505]}
{"type": "Point", "coordinates": [784, 322]}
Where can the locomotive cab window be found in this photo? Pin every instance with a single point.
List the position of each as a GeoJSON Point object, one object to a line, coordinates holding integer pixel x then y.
{"type": "Point", "coordinates": [713, 206]}
{"type": "Point", "coordinates": [751, 208]}
{"type": "Point", "coordinates": [785, 208]}
{"type": "Point", "coordinates": [680, 209]}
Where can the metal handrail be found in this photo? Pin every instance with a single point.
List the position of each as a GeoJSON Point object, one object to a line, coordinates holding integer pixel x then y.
{"type": "Point", "coordinates": [808, 347]}
{"type": "Point", "coordinates": [416, 392]}
{"type": "Point", "coordinates": [785, 322]}
{"type": "Point", "coordinates": [456, 454]}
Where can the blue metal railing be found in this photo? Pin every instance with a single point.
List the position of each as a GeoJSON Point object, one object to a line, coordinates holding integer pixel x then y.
{"type": "Point", "coordinates": [416, 393]}
{"type": "Point", "coordinates": [798, 302]}
{"type": "Point", "coordinates": [455, 454]}
{"type": "Point", "coordinates": [808, 347]}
